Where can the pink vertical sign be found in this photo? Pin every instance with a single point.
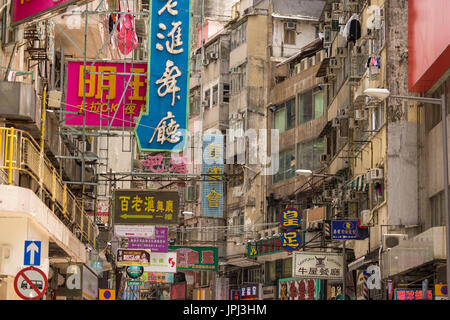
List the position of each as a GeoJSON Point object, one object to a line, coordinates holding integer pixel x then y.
{"type": "Point", "coordinates": [106, 101]}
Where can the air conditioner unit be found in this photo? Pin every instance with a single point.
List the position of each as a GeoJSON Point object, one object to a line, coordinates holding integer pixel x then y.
{"type": "Point", "coordinates": [336, 7]}
{"type": "Point", "coordinates": [352, 123]}
{"type": "Point", "coordinates": [366, 216]}
{"type": "Point", "coordinates": [205, 62]}
{"type": "Point", "coordinates": [314, 225]}
{"type": "Point", "coordinates": [335, 122]}
{"type": "Point", "coordinates": [327, 16]}
{"type": "Point", "coordinates": [343, 113]}
{"type": "Point", "coordinates": [360, 115]}
{"type": "Point", "coordinates": [324, 158]}
{"type": "Point", "coordinates": [392, 240]}
{"type": "Point", "coordinates": [213, 55]}
{"type": "Point", "coordinates": [334, 63]}
{"type": "Point", "coordinates": [331, 73]}
{"type": "Point", "coordinates": [290, 25]}
{"type": "Point", "coordinates": [341, 52]}
{"type": "Point", "coordinates": [335, 193]}
{"type": "Point", "coordinates": [374, 174]}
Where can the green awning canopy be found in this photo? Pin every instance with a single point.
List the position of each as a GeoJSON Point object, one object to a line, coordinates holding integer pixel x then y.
{"type": "Point", "coordinates": [358, 184]}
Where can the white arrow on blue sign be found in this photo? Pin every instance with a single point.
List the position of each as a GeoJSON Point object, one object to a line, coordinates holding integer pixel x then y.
{"type": "Point", "coordinates": [32, 254]}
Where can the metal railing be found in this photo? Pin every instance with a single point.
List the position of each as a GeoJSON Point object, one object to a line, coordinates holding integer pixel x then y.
{"type": "Point", "coordinates": [19, 152]}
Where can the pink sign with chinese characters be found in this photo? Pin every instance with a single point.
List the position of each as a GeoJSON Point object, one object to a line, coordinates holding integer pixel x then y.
{"type": "Point", "coordinates": [27, 8]}
{"type": "Point", "coordinates": [109, 100]}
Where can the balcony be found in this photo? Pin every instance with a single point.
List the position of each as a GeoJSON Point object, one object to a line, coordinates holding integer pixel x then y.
{"type": "Point", "coordinates": [23, 165]}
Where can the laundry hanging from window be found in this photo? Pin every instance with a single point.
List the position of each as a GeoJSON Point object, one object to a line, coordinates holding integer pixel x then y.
{"type": "Point", "coordinates": [352, 29]}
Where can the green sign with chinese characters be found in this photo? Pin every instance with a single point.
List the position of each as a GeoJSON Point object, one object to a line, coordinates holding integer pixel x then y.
{"type": "Point", "coordinates": [196, 258]}
{"type": "Point", "coordinates": [134, 283]}
{"type": "Point", "coordinates": [143, 207]}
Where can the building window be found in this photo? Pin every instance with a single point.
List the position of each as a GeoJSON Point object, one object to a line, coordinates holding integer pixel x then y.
{"type": "Point", "coordinates": [309, 154]}
{"type": "Point", "coordinates": [289, 33]}
{"type": "Point", "coordinates": [437, 210]}
{"type": "Point", "coordinates": [286, 168]}
{"type": "Point", "coordinates": [226, 93]}
{"type": "Point", "coordinates": [280, 120]}
{"type": "Point", "coordinates": [194, 105]}
{"type": "Point", "coordinates": [215, 95]}
{"type": "Point", "coordinates": [207, 98]}
{"type": "Point", "coordinates": [239, 35]}
{"type": "Point", "coordinates": [284, 116]}
{"type": "Point", "coordinates": [305, 107]}
{"type": "Point", "coordinates": [238, 78]}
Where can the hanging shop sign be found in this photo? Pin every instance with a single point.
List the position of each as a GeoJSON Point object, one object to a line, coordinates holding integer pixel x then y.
{"type": "Point", "coordinates": [144, 207]}
{"type": "Point", "coordinates": [162, 262]}
{"type": "Point", "coordinates": [344, 229]}
{"type": "Point", "coordinates": [134, 231]}
{"type": "Point", "coordinates": [163, 126]}
{"type": "Point", "coordinates": [291, 240]}
{"type": "Point", "coordinates": [250, 292]}
{"type": "Point", "coordinates": [212, 169]}
{"type": "Point", "coordinates": [158, 244]}
{"type": "Point", "coordinates": [178, 291]}
{"type": "Point", "coordinates": [298, 289]}
{"type": "Point", "coordinates": [135, 272]}
{"type": "Point", "coordinates": [25, 10]}
{"type": "Point", "coordinates": [263, 247]}
{"type": "Point", "coordinates": [102, 212]}
{"type": "Point", "coordinates": [158, 277]}
{"type": "Point", "coordinates": [196, 258]}
{"type": "Point", "coordinates": [317, 265]}
{"type": "Point", "coordinates": [290, 218]}
{"type": "Point", "coordinates": [155, 164]}
{"type": "Point", "coordinates": [114, 94]}
{"type": "Point", "coordinates": [412, 294]}
{"type": "Point", "coordinates": [133, 257]}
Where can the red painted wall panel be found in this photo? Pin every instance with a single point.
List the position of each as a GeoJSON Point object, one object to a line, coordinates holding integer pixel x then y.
{"type": "Point", "coordinates": [429, 42]}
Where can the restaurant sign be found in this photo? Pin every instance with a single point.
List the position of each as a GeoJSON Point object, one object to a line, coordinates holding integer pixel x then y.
{"type": "Point", "coordinates": [317, 265]}
{"type": "Point", "coordinates": [143, 207]}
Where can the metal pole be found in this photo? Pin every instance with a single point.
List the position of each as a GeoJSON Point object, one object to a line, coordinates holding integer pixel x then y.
{"type": "Point", "coordinates": [445, 166]}
{"type": "Point", "coordinates": [344, 271]}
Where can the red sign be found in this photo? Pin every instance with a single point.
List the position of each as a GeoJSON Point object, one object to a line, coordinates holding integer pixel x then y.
{"type": "Point", "coordinates": [178, 291]}
{"type": "Point", "coordinates": [30, 283]}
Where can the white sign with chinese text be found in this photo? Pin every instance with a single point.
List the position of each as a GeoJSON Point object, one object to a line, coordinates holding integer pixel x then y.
{"type": "Point", "coordinates": [134, 231]}
{"type": "Point", "coordinates": [317, 265]}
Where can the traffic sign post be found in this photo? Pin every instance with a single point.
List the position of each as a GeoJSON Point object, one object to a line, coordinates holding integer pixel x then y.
{"type": "Point", "coordinates": [30, 283]}
{"type": "Point", "coordinates": [107, 294]}
{"type": "Point", "coordinates": [32, 253]}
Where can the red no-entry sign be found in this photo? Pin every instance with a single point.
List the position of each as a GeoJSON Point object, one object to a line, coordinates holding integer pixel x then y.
{"type": "Point", "coordinates": [30, 283]}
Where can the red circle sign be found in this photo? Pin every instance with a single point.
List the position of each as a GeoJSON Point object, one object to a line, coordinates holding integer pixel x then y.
{"type": "Point", "coordinates": [30, 283]}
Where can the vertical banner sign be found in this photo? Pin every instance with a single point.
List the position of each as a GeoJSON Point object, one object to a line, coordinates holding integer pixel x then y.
{"type": "Point", "coordinates": [212, 169]}
{"type": "Point", "coordinates": [163, 127]}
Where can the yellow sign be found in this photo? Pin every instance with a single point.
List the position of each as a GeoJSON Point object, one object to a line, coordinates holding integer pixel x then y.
{"type": "Point", "coordinates": [440, 290]}
{"type": "Point", "coordinates": [106, 294]}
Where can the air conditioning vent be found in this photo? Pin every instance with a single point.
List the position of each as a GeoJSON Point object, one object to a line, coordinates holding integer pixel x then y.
{"type": "Point", "coordinates": [366, 216]}
{"type": "Point", "coordinates": [205, 62]}
{"type": "Point", "coordinates": [335, 122]}
{"type": "Point", "coordinates": [343, 113]}
{"type": "Point", "coordinates": [374, 174]}
{"type": "Point", "coordinates": [336, 7]}
{"type": "Point", "coordinates": [213, 55]}
{"type": "Point", "coordinates": [393, 240]}
{"type": "Point", "coordinates": [290, 25]}
{"type": "Point", "coordinates": [352, 123]}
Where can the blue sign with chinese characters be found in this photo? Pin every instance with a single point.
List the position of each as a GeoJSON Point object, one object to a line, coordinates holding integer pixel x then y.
{"type": "Point", "coordinates": [344, 229]}
{"type": "Point", "coordinates": [163, 126]}
{"type": "Point", "coordinates": [212, 170]}
{"type": "Point", "coordinates": [290, 218]}
{"type": "Point", "coordinates": [291, 240]}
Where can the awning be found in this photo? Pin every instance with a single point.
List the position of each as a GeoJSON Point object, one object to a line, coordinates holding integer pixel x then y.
{"type": "Point", "coordinates": [325, 129]}
{"type": "Point", "coordinates": [242, 262]}
{"type": "Point", "coordinates": [358, 184]}
{"type": "Point", "coordinates": [358, 263]}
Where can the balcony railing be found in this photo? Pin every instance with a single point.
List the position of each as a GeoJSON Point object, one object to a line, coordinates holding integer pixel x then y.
{"type": "Point", "coordinates": [19, 153]}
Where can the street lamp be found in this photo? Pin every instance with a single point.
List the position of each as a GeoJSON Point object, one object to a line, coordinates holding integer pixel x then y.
{"type": "Point", "coordinates": [383, 94]}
